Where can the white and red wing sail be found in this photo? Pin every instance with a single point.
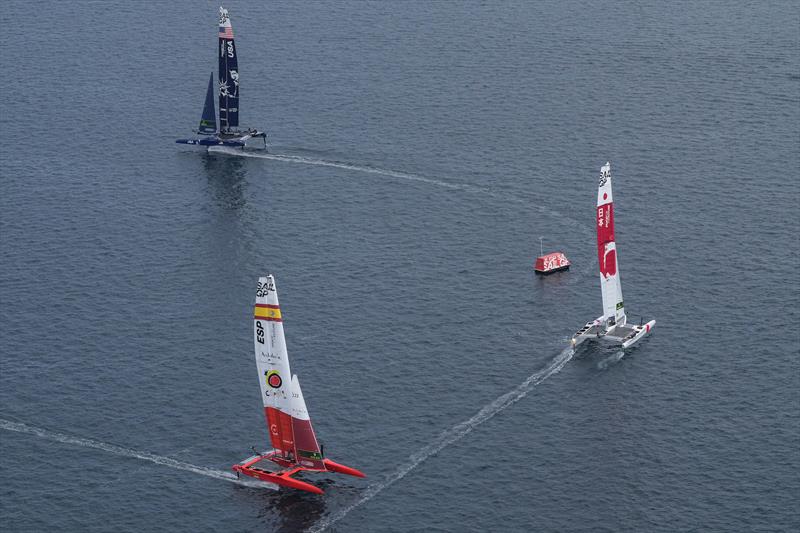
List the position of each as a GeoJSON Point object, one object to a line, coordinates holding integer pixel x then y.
{"type": "Point", "coordinates": [272, 360]}
{"type": "Point", "coordinates": [305, 441]}
{"type": "Point", "coordinates": [610, 286]}
{"type": "Point", "coordinates": [290, 429]}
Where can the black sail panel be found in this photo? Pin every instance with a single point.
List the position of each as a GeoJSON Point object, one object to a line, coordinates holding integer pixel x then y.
{"type": "Point", "coordinates": [228, 75]}
{"type": "Point", "coordinates": [208, 122]}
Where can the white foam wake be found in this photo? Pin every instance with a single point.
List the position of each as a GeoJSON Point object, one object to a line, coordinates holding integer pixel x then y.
{"type": "Point", "coordinates": [452, 435]}
{"type": "Point", "coordinates": [486, 191]}
{"type": "Point", "coordinates": [128, 452]}
{"type": "Point", "coordinates": [347, 166]}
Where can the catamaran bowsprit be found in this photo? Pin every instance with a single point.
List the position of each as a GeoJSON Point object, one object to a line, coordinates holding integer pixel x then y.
{"type": "Point", "coordinates": [613, 325]}
{"type": "Point", "coordinates": [295, 446]}
{"type": "Point", "coordinates": [228, 95]}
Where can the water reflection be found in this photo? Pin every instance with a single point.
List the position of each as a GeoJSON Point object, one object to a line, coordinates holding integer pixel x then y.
{"type": "Point", "coordinates": [290, 510]}
{"type": "Point", "coordinates": [555, 280]}
{"type": "Point", "coordinates": [226, 179]}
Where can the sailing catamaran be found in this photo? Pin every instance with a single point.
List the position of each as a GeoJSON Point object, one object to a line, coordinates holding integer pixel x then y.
{"type": "Point", "coordinates": [613, 325]}
{"type": "Point", "coordinates": [295, 446]}
{"type": "Point", "coordinates": [228, 92]}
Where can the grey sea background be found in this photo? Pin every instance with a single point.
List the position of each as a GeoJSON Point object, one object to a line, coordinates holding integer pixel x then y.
{"type": "Point", "coordinates": [418, 152]}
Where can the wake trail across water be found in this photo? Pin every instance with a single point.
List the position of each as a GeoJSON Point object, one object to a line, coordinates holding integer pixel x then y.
{"type": "Point", "coordinates": [128, 452]}
{"type": "Point", "coordinates": [346, 166]}
{"type": "Point", "coordinates": [507, 196]}
{"type": "Point", "coordinates": [452, 435]}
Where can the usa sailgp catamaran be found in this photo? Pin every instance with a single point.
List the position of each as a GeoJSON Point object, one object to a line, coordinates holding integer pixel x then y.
{"type": "Point", "coordinates": [613, 325]}
{"type": "Point", "coordinates": [295, 446]}
{"type": "Point", "coordinates": [228, 133]}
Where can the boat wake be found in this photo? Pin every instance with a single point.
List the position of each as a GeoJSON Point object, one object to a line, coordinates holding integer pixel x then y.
{"type": "Point", "coordinates": [452, 435]}
{"type": "Point", "coordinates": [611, 360]}
{"type": "Point", "coordinates": [407, 176]}
{"type": "Point", "coordinates": [344, 165]}
{"type": "Point", "coordinates": [128, 452]}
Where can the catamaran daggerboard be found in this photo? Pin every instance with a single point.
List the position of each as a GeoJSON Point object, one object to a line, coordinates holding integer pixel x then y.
{"type": "Point", "coordinates": [613, 325]}
{"type": "Point", "coordinates": [227, 91]}
{"type": "Point", "coordinates": [295, 446]}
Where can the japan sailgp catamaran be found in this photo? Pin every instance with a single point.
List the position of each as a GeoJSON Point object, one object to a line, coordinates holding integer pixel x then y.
{"type": "Point", "coordinates": [295, 446]}
{"type": "Point", "coordinates": [613, 325]}
{"type": "Point", "coordinates": [228, 93]}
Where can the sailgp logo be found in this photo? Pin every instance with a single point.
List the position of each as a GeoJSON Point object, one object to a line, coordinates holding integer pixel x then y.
{"type": "Point", "coordinates": [264, 288]}
{"type": "Point", "coordinates": [605, 174]}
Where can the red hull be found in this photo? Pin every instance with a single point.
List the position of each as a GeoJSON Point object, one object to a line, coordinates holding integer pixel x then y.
{"type": "Point", "coordinates": [342, 469]}
{"type": "Point", "coordinates": [280, 478]}
{"type": "Point", "coordinates": [284, 477]}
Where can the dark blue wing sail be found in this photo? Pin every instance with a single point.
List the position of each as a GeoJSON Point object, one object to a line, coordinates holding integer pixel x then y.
{"type": "Point", "coordinates": [208, 123]}
{"type": "Point", "coordinates": [228, 75]}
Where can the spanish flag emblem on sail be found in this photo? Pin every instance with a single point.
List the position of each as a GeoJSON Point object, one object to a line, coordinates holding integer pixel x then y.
{"type": "Point", "coordinates": [267, 312]}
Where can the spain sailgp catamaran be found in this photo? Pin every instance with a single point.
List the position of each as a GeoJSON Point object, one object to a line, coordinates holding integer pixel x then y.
{"type": "Point", "coordinates": [228, 133]}
{"type": "Point", "coordinates": [613, 325]}
{"type": "Point", "coordinates": [295, 446]}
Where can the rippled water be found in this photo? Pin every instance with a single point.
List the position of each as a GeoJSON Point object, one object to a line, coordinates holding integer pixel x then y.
{"type": "Point", "coordinates": [419, 151]}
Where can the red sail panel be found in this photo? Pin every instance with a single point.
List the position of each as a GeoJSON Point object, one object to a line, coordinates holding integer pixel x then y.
{"type": "Point", "coordinates": [605, 235]}
{"type": "Point", "coordinates": [281, 433]}
{"type": "Point", "coordinates": [308, 451]}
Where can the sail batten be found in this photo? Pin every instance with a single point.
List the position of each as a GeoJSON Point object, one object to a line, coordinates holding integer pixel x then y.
{"type": "Point", "coordinates": [228, 74]}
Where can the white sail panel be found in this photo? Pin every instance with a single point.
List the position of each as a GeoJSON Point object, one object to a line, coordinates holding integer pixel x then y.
{"type": "Point", "coordinates": [272, 361]}
{"type": "Point", "coordinates": [298, 403]}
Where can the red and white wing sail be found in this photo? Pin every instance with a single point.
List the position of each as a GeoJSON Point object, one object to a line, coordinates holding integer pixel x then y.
{"type": "Point", "coordinates": [305, 441]}
{"type": "Point", "coordinates": [607, 250]}
{"type": "Point", "coordinates": [272, 360]}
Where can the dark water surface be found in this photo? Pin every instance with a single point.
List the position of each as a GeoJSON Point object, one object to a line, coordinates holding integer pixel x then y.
{"type": "Point", "coordinates": [429, 146]}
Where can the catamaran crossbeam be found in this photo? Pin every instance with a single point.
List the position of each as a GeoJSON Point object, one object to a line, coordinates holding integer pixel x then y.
{"type": "Point", "coordinates": [613, 325]}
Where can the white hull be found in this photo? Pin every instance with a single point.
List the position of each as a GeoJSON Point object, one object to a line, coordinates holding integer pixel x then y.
{"type": "Point", "coordinates": [625, 335]}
